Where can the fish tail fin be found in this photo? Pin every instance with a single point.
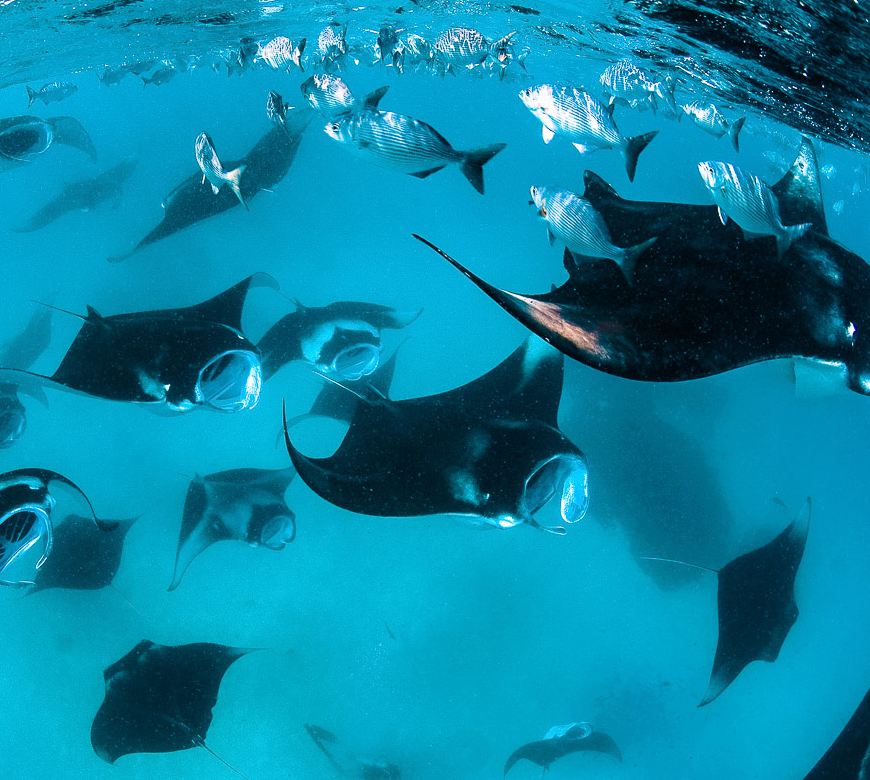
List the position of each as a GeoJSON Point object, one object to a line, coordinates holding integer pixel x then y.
{"type": "Point", "coordinates": [31, 96]}
{"type": "Point", "coordinates": [633, 147]}
{"type": "Point", "coordinates": [734, 132]}
{"type": "Point", "coordinates": [472, 165]}
{"type": "Point", "coordinates": [234, 179]}
{"type": "Point", "coordinates": [373, 98]}
{"type": "Point", "coordinates": [628, 264]}
{"type": "Point", "coordinates": [665, 90]}
{"type": "Point", "coordinates": [296, 59]}
{"type": "Point", "coordinates": [789, 235]}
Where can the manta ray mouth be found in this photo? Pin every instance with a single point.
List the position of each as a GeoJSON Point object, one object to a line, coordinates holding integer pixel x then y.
{"type": "Point", "coordinates": [278, 532]}
{"type": "Point", "coordinates": [567, 473]}
{"type": "Point", "coordinates": [24, 141]}
{"type": "Point", "coordinates": [20, 529]}
{"type": "Point", "coordinates": [231, 382]}
{"type": "Point", "coordinates": [13, 422]}
{"type": "Point", "coordinates": [356, 362]}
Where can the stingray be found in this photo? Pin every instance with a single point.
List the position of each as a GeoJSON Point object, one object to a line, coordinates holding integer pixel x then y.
{"type": "Point", "coordinates": [24, 138]}
{"type": "Point", "coordinates": [84, 557]}
{"type": "Point", "coordinates": [178, 359]}
{"type": "Point", "coordinates": [22, 351]}
{"type": "Point", "coordinates": [159, 699]}
{"type": "Point", "coordinates": [490, 450]}
{"type": "Point", "coordinates": [265, 166]}
{"type": "Point", "coordinates": [705, 299]}
{"type": "Point", "coordinates": [349, 764]}
{"type": "Point", "coordinates": [25, 517]}
{"type": "Point", "coordinates": [342, 339]}
{"type": "Point", "coordinates": [756, 604]}
{"type": "Point", "coordinates": [243, 504]}
{"type": "Point", "coordinates": [85, 195]}
{"type": "Point", "coordinates": [561, 741]}
{"type": "Point", "coordinates": [849, 757]}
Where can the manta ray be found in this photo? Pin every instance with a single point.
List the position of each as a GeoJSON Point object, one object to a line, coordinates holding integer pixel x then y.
{"type": "Point", "coordinates": [490, 450]}
{"type": "Point", "coordinates": [84, 556]}
{"type": "Point", "coordinates": [342, 339]}
{"type": "Point", "coordinates": [85, 195]}
{"type": "Point", "coordinates": [22, 351]}
{"type": "Point", "coordinates": [159, 699]}
{"type": "Point", "coordinates": [849, 757]}
{"type": "Point", "coordinates": [266, 165]}
{"type": "Point", "coordinates": [178, 359]}
{"type": "Point", "coordinates": [243, 504]}
{"type": "Point", "coordinates": [561, 741]}
{"type": "Point", "coordinates": [26, 504]}
{"type": "Point", "coordinates": [705, 299]}
{"type": "Point", "coordinates": [756, 604]}
{"type": "Point", "coordinates": [24, 138]}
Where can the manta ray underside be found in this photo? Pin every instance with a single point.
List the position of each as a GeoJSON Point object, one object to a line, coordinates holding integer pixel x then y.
{"type": "Point", "coordinates": [243, 504]}
{"type": "Point", "coordinates": [705, 299]}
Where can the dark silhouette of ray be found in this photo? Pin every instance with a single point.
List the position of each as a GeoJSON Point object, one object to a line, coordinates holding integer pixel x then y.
{"type": "Point", "coordinates": [22, 351]}
{"type": "Point", "coordinates": [561, 741]}
{"type": "Point", "coordinates": [705, 299]}
{"type": "Point", "coordinates": [265, 166]}
{"type": "Point", "coordinates": [159, 699]}
{"type": "Point", "coordinates": [849, 757]}
{"type": "Point", "coordinates": [756, 604]}
{"type": "Point", "coordinates": [84, 557]}
{"type": "Point", "coordinates": [491, 449]}
{"type": "Point", "coordinates": [85, 195]}
{"type": "Point", "coordinates": [243, 504]}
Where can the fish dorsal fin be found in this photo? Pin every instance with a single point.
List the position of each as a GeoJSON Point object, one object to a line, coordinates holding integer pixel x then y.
{"type": "Point", "coordinates": [594, 187]}
{"type": "Point", "coordinates": [93, 314]}
{"type": "Point", "coordinates": [226, 307]}
{"type": "Point", "coordinates": [799, 193]}
{"type": "Point", "coordinates": [526, 385]}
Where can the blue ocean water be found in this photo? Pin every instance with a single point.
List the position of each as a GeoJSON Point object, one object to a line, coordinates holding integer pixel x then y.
{"type": "Point", "coordinates": [421, 641]}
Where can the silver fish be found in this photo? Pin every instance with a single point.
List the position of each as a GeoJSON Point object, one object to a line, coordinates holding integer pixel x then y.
{"type": "Point", "coordinates": [465, 47]}
{"type": "Point", "coordinates": [407, 145]}
{"type": "Point", "coordinates": [213, 171]}
{"type": "Point", "coordinates": [276, 109]}
{"type": "Point", "coordinates": [51, 93]}
{"type": "Point", "coordinates": [576, 222]}
{"type": "Point", "coordinates": [411, 51]}
{"type": "Point", "coordinates": [280, 53]}
{"type": "Point", "coordinates": [330, 96]}
{"type": "Point", "coordinates": [627, 82]}
{"type": "Point", "coordinates": [583, 120]}
{"type": "Point", "coordinates": [750, 203]}
{"type": "Point", "coordinates": [332, 46]}
{"type": "Point", "coordinates": [710, 120]}
{"type": "Point", "coordinates": [160, 76]}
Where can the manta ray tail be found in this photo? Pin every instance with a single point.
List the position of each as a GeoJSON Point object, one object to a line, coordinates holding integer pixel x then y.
{"type": "Point", "coordinates": [201, 743]}
{"type": "Point", "coordinates": [472, 164]}
{"type": "Point", "coordinates": [69, 132]}
{"type": "Point", "coordinates": [633, 147]}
